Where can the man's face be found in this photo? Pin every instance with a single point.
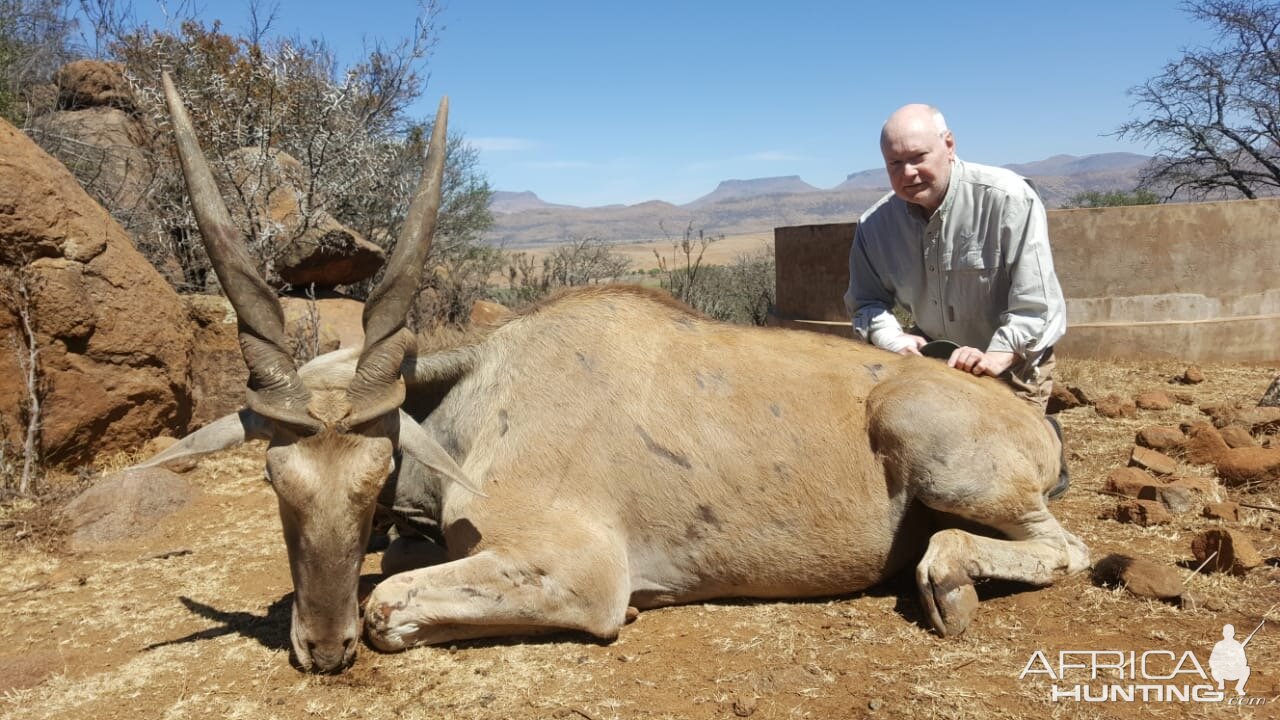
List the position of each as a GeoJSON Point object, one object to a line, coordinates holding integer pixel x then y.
{"type": "Point", "coordinates": [919, 163]}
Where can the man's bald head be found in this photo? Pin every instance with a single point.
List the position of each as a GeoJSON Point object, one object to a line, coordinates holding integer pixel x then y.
{"type": "Point", "coordinates": [918, 150]}
{"type": "Point", "coordinates": [914, 118]}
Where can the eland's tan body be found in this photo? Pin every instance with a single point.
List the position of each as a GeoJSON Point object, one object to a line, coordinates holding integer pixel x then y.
{"type": "Point", "coordinates": [610, 448]}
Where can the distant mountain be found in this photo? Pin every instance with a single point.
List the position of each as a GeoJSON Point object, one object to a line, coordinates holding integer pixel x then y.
{"type": "Point", "coordinates": [743, 206]}
{"type": "Point", "coordinates": [759, 187]}
{"type": "Point", "coordinates": [864, 180]}
{"type": "Point", "coordinates": [1073, 165]}
{"type": "Point", "coordinates": [517, 202]}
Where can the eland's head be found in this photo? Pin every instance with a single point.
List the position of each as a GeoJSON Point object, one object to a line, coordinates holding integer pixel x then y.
{"type": "Point", "coordinates": [335, 430]}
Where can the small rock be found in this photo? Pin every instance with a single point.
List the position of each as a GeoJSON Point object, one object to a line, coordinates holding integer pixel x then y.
{"type": "Point", "coordinates": [1237, 437]}
{"type": "Point", "coordinates": [1235, 552]}
{"type": "Point", "coordinates": [1139, 576]}
{"type": "Point", "coordinates": [1252, 466]}
{"type": "Point", "coordinates": [1142, 512]}
{"type": "Point", "coordinates": [1153, 461]}
{"type": "Point", "coordinates": [875, 704]}
{"type": "Point", "coordinates": [1061, 398]}
{"type": "Point", "coordinates": [1181, 494]}
{"type": "Point", "coordinates": [1214, 604]}
{"type": "Point", "coordinates": [1154, 400]}
{"type": "Point", "coordinates": [1086, 397]}
{"type": "Point", "coordinates": [156, 445]}
{"type": "Point", "coordinates": [1205, 443]}
{"type": "Point", "coordinates": [744, 707]}
{"type": "Point", "coordinates": [1128, 481]}
{"type": "Point", "coordinates": [1184, 398]}
{"type": "Point", "coordinates": [1191, 376]}
{"type": "Point", "coordinates": [1161, 437]}
{"type": "Point", "coordinates": [1114, 406]}
{"type": "Point", "coordinates": [1229, 511]}
{"type": "Point", "coordinates": [1190, 602]}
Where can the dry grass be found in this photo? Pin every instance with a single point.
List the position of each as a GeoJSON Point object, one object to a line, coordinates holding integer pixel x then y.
{"type": "Point", "coordinates": [136, 631]}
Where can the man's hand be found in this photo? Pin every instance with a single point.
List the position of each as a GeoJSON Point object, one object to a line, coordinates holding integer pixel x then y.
{"type": "Point", "coordinates": [911, 344]}
{"type": "Point", "coordinates": [975, 361]}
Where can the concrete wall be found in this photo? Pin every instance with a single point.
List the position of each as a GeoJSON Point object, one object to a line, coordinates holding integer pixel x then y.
{"type": "Point", "coordinates": [1193, 281]}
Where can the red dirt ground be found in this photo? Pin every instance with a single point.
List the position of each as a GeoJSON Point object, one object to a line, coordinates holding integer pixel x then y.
{"type": "Point", "coordinates": [191, 620]}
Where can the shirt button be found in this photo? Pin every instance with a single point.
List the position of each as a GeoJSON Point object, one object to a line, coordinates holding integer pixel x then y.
{"type": "Point", "coordinates": [930, 268]}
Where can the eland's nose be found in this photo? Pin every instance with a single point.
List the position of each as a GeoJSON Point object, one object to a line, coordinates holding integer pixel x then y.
{"type": "Point", "coordinates": [332, 657]}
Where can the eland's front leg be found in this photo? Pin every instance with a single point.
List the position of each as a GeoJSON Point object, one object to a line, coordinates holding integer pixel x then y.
{"type": "Point", "coordinates": [495, 593]}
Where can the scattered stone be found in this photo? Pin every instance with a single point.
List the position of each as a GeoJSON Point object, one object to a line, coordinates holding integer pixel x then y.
{"type": "Point", "coordinates": [1141, 577]}
{"type": "Point", "coordinates": [1086, 397]}
{"type": "Point", "coordinates": [1190, 602]}
{"type": "Point", "coordinates": [1184, 398]}
{"type": "Point", "coordinates": [1229, 511]}
{"type": "Point", "coordinates": [1205, 443]}
{"type": "Point", "coordinates": [875, 704]}
{"type": "Point", "coordinates": [1237, 437]}
{"type": "Point", "coordinates": [1114, 406]}
{"type": "Point", "coordinates": [1162, 438]}
{"type": "Point", "coordinates": [125, 504]}
{"type": "Point", "coordinates": [1191, 376]}
{"type": "Point", "coordinates": [1235, 552]}
{"type": "Point", "coordinates": [1253, 466]}
{"type": "Point", "coordinates": [1129, 481]}
{"type": "Point", "coordinates": [1142, 512]}
{"type": "Point", "coordinates": [1154, 400]}
{"type": "Point", "coordinates": [1258, 420]}
{"type": "Point", "coordinates": [1156, 462]}
{"type": "Point", "coordinates": [744, 706]}
{"type": "Point", "coordinates": [1181, 494]}
{"type": "Point", "coordinates": [157, 445]}
{"type": "Point", "coordinates": [1061, 398]}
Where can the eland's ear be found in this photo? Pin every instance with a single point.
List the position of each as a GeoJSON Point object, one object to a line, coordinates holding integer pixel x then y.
{"type": "Point", "coordinates": [419, 445]}
{"type": "Point", "coordinates": [222, 433]}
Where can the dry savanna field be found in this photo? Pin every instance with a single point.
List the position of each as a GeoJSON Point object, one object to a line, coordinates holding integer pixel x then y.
{"type": "Point", "coordinates": [190, 620]}
{"type": "Point", "coordinates": [641, 254]}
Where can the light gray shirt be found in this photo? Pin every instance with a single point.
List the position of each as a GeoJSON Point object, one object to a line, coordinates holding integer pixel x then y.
{"type": "Point", "coordinates": [978, 272]}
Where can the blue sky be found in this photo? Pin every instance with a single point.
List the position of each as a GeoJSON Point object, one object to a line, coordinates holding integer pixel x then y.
{"type": "Point", "coordinates": [591, 103]}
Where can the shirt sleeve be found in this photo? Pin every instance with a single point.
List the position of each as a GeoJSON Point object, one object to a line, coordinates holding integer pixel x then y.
{"type": "Point", "coordinates": [1035, 318]}
{"type": "Point", "coordinates": [869, 302]}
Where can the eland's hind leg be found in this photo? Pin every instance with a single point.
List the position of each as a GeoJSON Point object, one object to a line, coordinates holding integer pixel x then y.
{"type": "Point", "coordinates": [983, 457]}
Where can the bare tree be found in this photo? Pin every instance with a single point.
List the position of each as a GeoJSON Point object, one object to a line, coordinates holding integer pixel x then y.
{"type": "Point", "coordinates": [15, 293]}
{"type": "Point", "coordinates": [35, 40]}
{"type": "Point", "coordinates": [691, 246]}
{"type": "Point", "coordinates": [1214, 114]}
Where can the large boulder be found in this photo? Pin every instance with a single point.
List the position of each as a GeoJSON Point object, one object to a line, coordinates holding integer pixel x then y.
{"type": "Point", "coordinates": [93, 83]}
{"type": "Point", "coordinates": [124, 505]}
{"type": "Point", "coordinates": [218, 373]}
{"type": "Point", "coordinates": [105, 148]}
{"type": "Point", "coordinates": [114, 340]}
{"type": "Point", "coordinates": [309, 246]}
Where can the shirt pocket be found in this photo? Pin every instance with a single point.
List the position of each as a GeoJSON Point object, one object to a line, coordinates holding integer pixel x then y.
{"type": "Point", "coordinates": [970, 255]}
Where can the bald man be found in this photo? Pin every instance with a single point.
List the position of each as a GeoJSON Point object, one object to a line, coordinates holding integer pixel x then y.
{"type": "Point", "coordinates": [965, 248]}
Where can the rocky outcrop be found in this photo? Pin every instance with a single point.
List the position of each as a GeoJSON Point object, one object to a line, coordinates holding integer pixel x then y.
{"type": "Point", "coordinates": [93, 83]}
{"type": "Point", "coordinates": [310, 246]}
{"type": "Point", "coordinates": [114, 339]}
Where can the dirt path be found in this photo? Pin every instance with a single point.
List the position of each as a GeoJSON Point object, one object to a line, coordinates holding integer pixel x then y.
{"type": "Point", "coordinates": [191, 621]}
